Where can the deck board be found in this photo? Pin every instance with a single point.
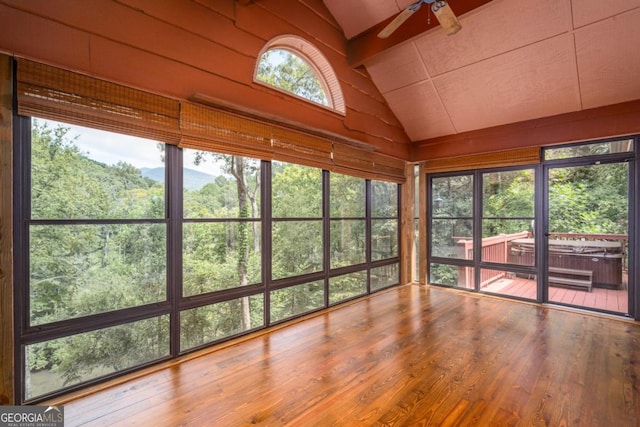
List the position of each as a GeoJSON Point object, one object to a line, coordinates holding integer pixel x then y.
{"type": "Point", "coordinates": [599, 298]}
{"type": "Point", "coordinates": [411, 355]}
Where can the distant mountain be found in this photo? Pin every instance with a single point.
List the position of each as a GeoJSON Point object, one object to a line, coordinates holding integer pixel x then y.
{"type": "Point", "coordinates": [193, 179]}
{"type": "Point", "coordinates": [156, 174]}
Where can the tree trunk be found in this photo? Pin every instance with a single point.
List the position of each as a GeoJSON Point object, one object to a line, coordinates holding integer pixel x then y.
{"type": "Point", "coordinates": [237, 169]}
{"type": "Point", "coordinates": [254, 213]}
{"type": "Point", "coordinates": [105, 247]}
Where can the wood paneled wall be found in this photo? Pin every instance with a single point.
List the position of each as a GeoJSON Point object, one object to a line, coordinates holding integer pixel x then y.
{"type": "Point", "coordinates": [6, 234]}
{"type": "Point", "coordinates": [179, 48]}
{"type": "Point", "coordinates": [603, 122]}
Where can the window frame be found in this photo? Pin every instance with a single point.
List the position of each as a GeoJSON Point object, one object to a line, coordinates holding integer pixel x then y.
{"type": "Point", "coordinates": [475, 264]}
{"type": "Point", "coordinates": [174, 303]}
{"type": "Point", "coordinates": [318, 63]}
{"type": "Point", "coordinates": [540, 169]}
{"type": "Point", "coordinates": [27, 334]}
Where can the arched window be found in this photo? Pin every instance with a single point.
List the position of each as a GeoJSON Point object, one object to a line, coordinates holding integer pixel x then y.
{"type": "Point", "coordinates": [291, 64]}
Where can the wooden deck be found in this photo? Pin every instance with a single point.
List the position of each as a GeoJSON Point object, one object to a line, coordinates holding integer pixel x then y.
{"type": "Point", "coordinates": [412, 355]}
{"type": "Point", "coordinates": [598, 298]}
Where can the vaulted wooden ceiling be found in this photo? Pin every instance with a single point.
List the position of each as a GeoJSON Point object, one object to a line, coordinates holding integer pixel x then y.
{"type": "Point", "coordinates": [513, 60]}
{"type": "Point", "coordinates": [515, 67]}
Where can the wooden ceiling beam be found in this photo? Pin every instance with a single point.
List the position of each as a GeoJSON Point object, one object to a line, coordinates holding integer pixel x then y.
{"type": "Point", "coordinates": [367, 44]}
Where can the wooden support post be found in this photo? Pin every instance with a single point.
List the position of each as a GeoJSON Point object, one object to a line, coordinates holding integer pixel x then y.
{"type": "Point", "coordinates": [6, 234]}
{"type": "Point", "coordinates": [422, 238]}
{"type": "Point", "coordinates": [407, 226]}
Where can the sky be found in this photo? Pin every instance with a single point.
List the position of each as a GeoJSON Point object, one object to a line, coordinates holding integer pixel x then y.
{"type": "Point", "coordinates": [111, 148]}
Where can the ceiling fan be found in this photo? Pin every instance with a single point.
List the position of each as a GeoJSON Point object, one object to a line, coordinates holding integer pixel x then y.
{"type": "Point", "coordinates": [440, 9]}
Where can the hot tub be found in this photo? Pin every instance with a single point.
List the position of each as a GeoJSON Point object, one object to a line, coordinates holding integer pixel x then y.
{"type": "Point", "coordinates": [603, 258]}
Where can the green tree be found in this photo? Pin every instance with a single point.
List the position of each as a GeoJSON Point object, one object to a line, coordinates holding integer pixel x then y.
{"type": "Point", "coordinates": [86, 267]}
{"type": "Point", "coordinates": [220, 255]}
{"type": "Point", "coordinates": [589, 199]}
{"type": "Point", "coordinates": [507, 198]}
{"type": "Point", "coordinates": [297, 244]}
{"type": "Point", "coordinates": [284, 70]}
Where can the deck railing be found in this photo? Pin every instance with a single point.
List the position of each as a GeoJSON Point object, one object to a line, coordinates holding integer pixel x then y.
{"type": "Point", "coordinates": [494, 249]}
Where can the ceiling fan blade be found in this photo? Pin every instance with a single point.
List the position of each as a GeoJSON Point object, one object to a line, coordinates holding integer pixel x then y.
{"type": "Point", "coordinates": [398, 20]}
{"type": "Point", "coordinates": [445, 16]}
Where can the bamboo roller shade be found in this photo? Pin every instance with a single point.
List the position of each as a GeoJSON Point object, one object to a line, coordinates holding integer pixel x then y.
{"type": "Point", "coordinates": [56, 94]}
{"type": "Point", "coordinates": [517, 157]}
{"type": "Point", "coordinates": [53, 93]}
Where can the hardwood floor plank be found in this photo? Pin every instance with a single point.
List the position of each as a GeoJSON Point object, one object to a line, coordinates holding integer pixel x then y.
{"type": "Point", "coordinates": [412, 355]}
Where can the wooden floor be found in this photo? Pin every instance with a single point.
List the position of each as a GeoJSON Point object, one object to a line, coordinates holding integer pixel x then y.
{"type": "Point", "coordinates": [598, 298]}
{"type": "Point", "coordinates": [409, 356]}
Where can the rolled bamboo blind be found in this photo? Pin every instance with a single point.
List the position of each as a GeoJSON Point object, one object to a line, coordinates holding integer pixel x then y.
{"type": "Point", "coordinates": [389, 168]}
{"type": "Point", "coordinates": [53, 93]}
{"type": "Point", "coordinates": [208, 129]}
{"type": "Point", "coordinates": [297, 147]}
{"type": "Point", "coordinates": [517, 157]}
{"type": "Point", "coordinates": [211, 129]}
{"type": "Point", "coordinates": [57, 94]}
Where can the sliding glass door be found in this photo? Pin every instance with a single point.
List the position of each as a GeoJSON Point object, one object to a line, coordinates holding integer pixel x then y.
{"type": "Point", "coordinates": [560, 232]}
{"type": "Point", "coordinates": [588, 232]}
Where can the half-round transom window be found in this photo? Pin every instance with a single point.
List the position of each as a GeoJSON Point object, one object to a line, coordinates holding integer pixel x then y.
{"type": "Point", "coordinates": [293, 65]}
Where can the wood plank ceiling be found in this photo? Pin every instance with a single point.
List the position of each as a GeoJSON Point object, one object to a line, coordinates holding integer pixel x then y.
{"type": "Point", "coordinates": [514, 60]}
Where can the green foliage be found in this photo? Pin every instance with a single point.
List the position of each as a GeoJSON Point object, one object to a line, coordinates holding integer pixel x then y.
{"type": "Point", "coordinates": [508, 194]}
{"type": "Point", "coordinates": [297, 245]}
{"type": "Point", "coordinates": [347, 196]}
{"type": "Point", "coordinates": [384, 239]}
{"type": "Point", "coordinates": [589, 199]}
{"type": "Point", "coordinates": [203, 325]}
{"type": "Point", "coordinates": [348, 201]}
{"type": "Point", "coordinates": [347, 286]}
{"type": "Point", "coordinates": [590, 149]}
{"type": "Point", "coordinates": [452, 196]}
{"type": "Point", "coordinates": [508, 197]}
{"type": "Point", "coordinates": [385, 276]}
{"type": "Point", "coordinates": [210, 257]}
{"type": "Point", "coordinates": [297, 191]}
{"type": "Point", "coordinates": [102, 262]}
{"type": "Point", "coordinates": [288, 302]}
{"type": "Point", "coordinates": [284, 70]}
{"type": "Point", "coordinates": [347, 242]}
{"type": "Point", "coordinates": [297, 248]}
{"type": "Point", "coordinates": [384, 199]}
{"type": "Point", "coordinates": [82, 357]}
{"type": "Point", "coordinates": [443, 274]}
{"type": "Point", "coordinates": [82, 269]}
{"type": "Point", "coordinates": [66, 184]}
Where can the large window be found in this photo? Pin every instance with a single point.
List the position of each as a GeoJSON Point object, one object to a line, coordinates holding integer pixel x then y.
{"type": "Point", "coordinates": [221, 246]}
{"type": "Point", "coordinates": [96, 229]}
{"type": "Point", "coordinates": [221, 240]}
{"type": "Point", "coordinates": [384, 234]}
{"type": "Point", "coordinates": [287, 71]}
{"type": "Point", "coordinates": [348, 243]}
{"type": "Point", "coordinates": [508, 212]}
{"type": "Point", "coordinates": [452, 215]}
{"type": "Point", "coordinates": [133, 251]}
{"type": "Point", "coordinates": [291, 64]}
{"type": "Point", "coordinates": [384, 222]}
{"type": "Point", "coordinates": [205, 324]}
{"type": "Point", "coordinates": [297, 220]}
{"type": "Point", "coordinates": [348, 220]}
